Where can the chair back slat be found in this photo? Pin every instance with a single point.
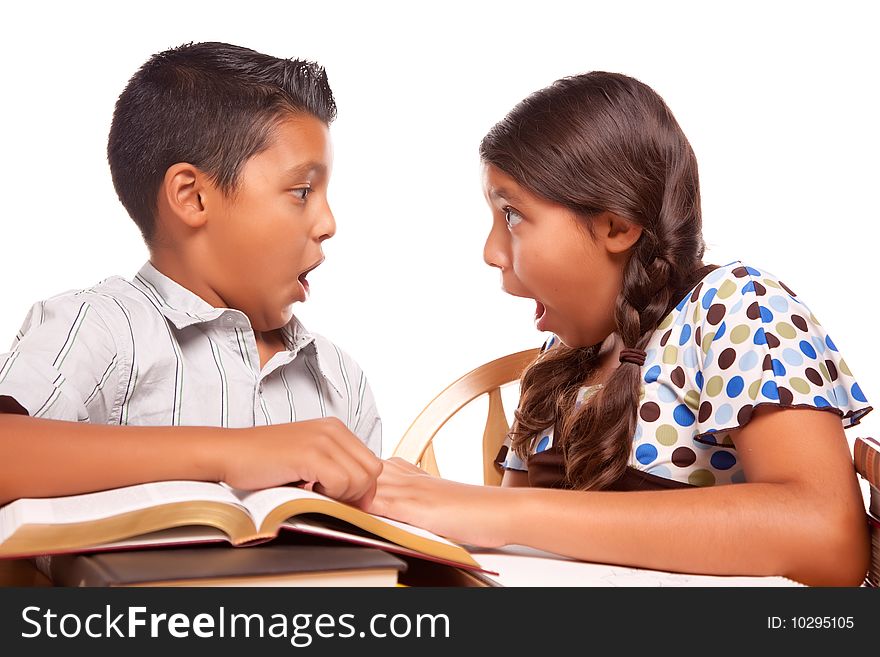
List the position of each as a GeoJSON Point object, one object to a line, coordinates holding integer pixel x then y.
{"type": "Point", "coordinates": [487, 378]}
{"type": "Point", "coordinates": [493, 437]}
{"type": "Point", "coordinates": [428, 462]}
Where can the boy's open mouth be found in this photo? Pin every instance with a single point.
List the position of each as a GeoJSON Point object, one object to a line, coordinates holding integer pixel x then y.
{"type": "Point", "coordinates": [302, 277]}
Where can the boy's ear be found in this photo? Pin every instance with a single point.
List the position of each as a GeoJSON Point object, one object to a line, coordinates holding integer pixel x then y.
{"type": "Point", "coordinates": [619, 234]}
{"type": "Point", "coordinates": [183, 192]}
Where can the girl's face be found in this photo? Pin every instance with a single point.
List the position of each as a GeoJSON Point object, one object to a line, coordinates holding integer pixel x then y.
{"type": "Point", "coordinates": [546, 253]}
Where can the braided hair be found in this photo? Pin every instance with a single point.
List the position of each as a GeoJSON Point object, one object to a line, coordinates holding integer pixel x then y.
{"type": "Point", "coordinates": [594, 143]}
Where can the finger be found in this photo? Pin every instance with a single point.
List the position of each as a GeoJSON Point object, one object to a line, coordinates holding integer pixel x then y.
{"type": "Point", "coordinates": [376, 506]}
{"type": "Point", "coordinates": [393, 475]}
{"type": "Point", "coordinates": [381, 501]}
{"type": "Point", "coordinates": [392, 502]}
{"type": "Point", "coordinates": [329, 478]}
{"type": "Point", "coordinates": [367, 498]}
{"type": "Point", "coordinates": [342, 476]}
{"type": "Point", "coordinates": [405, 465]}
{"type": "Point", "coordinates": [319, 457]}
{"type": "Point", "coordinates": [361, 478]}
{"type": "Point", "coordinates": [348, 441]}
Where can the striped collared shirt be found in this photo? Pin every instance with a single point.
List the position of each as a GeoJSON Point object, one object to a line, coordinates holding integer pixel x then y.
{"type": "Point", "coordinates": [150, 352]}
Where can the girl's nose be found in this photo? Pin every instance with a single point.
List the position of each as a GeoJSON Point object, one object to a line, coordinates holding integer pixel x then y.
{"type": "Point", "coordinates": [495, 252]}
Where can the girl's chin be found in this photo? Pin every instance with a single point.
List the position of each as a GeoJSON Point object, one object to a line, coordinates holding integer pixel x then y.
{"type": "Point", "coordinates": [576, 341]}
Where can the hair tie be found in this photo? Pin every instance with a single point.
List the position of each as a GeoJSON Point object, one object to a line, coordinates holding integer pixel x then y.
{"type": "Point", "coordinates": [634, 356]}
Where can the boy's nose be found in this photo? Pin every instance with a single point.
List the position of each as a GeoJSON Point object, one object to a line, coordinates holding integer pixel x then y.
{"type": "Point", "coordinates": [327, 225]}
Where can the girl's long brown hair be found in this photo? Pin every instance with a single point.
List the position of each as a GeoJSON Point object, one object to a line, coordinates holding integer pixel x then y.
{"type": "Point", "coordinates": [592, 143]}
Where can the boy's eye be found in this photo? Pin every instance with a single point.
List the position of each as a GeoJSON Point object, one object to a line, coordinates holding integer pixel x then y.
{"type": "Point", "coordinates": [512, 217]}
{"type": "Point", "coordinates": [302, 193]}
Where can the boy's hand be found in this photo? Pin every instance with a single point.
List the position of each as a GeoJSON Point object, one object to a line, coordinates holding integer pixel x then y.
{"type": "Point", "coordinates": [322, 452]}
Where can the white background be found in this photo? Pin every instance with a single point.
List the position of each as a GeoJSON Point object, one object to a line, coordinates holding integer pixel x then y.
{"type": "Point", "coordinates": [778, 100]}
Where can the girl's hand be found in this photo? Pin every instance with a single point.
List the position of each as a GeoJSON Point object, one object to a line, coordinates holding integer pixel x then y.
{"type": "Point", "coordinates": [474, 515]}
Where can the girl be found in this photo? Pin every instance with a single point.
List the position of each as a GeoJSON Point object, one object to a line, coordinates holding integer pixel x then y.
{"type": "Point", "coordinates": [684, 417]}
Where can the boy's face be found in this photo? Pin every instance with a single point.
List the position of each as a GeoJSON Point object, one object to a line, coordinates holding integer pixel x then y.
{"type": "Point", "coordinates": [262, 240]}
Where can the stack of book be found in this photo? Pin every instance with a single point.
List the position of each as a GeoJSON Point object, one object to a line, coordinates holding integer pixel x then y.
{"type": "Point", "coordinates": [866, 456]}
{"type": "Point", "coordinates": [187, 533]}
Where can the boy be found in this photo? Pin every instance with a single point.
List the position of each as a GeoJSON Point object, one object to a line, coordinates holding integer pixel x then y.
{"type": "Point", "coordinates": [197, 368]}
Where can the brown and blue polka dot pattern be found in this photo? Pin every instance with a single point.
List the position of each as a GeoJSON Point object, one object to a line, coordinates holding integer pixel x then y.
{"type": "Point", "coordinates": [740, 339]}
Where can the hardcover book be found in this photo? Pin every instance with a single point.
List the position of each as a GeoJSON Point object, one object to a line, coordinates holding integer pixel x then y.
{"type": "Point", "coordinates": [181, 512]}
{"type": "Point", "coordinates": [866, 458]}
{"type": "Point", "coordinates": [265, 565]}
{"type": "Point", "coordinates": [866, 455]}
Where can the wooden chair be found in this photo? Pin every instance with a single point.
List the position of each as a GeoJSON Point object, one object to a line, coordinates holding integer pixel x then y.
{"type": "Point", "coordinates": [416, 444]}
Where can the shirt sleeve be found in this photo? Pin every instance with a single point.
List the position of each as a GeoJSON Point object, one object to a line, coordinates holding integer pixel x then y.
{"type": "Point", "coordinates": [760, 345]}
{"type": "Point", "coordinates": [62, 365]}
{"type": "Point", "coordinates": [508, 460]}
{"type": "Point", "coordinates": [368, 424]}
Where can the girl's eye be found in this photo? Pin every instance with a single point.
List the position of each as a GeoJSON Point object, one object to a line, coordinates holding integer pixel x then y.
{"type": "Point", "coordinates": [512, 217]}
{"type": "Point", "coordinates": [302, 193]}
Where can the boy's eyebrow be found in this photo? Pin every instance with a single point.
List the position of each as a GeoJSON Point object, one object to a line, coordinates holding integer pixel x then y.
{"type": "Point", "coordinates": [306, 169]}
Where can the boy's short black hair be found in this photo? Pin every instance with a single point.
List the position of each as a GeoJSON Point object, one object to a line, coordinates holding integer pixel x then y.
{"type": "Point", "coordinates": [213, 105]}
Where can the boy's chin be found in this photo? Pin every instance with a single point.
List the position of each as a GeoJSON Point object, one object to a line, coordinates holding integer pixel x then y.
{"type": "Point", "coordinates": [287, 314]}
{"type": "Point", "coordinates": [272, 320]}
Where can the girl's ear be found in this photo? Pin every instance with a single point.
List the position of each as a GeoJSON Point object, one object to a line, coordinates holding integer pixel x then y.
{"type": "Point", "coordinates": [618, 234]}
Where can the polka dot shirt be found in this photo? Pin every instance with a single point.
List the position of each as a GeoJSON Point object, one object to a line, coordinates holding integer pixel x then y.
{"type": "Point", "coordinates": [740, 339]}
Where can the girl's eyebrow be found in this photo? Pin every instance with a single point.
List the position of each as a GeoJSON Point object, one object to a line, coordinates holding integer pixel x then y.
{"type": "Point", "coordinates": [504, 194]}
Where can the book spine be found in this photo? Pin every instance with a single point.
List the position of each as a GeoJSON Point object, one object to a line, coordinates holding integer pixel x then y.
{"type": "Point", "coordinates": [866, 459]}
{"type": "Point", "coordinates": [873, 577]}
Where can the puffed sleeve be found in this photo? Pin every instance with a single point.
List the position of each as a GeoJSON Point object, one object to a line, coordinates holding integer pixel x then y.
{"type": "Point", "coordinates": [759, 344]}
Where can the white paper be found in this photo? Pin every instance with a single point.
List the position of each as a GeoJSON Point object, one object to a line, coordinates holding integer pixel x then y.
{"type": "Point", "coordinates": [522, 566]}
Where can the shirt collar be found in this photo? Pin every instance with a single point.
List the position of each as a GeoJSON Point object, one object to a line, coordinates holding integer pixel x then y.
{"type": "Point", "coordinates": [183, 308]}
{"type": "Point", "coordinates": [297, 336]}
{"type": "Point", "coordinates": [180, 306]}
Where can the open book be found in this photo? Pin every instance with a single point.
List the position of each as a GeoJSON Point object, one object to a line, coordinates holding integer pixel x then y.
{"type": "Point", "coordinates": [174, 512]}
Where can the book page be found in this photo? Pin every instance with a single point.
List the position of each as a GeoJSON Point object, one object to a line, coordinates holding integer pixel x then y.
{"type": "Point", "coordinates": [523, 566]}
{"type": "Point", "coordinates": [163, 537]}
{"type": "Point", "coordinates": [260, 503]}
{"type": "Point", "coordinates": [318, 528]}
{"type": "Point", "coordinates": [105, 504]}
